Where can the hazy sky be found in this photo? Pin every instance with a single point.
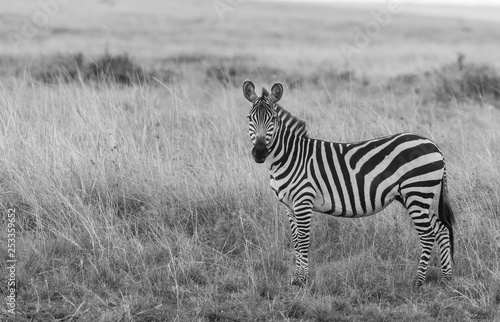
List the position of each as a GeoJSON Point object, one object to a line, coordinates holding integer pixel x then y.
{"type": "Point", "coordinates": [427, 2]}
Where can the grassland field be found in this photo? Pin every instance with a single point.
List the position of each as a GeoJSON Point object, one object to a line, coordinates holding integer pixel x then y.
{"type": "Point", "coordinates": [124, 152]}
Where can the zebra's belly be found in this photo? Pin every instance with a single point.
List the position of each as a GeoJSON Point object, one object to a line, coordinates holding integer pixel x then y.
{"type": "Point", "coordinates": [328, 206]}
{"type": "Point", "coordinates": [323, 205]}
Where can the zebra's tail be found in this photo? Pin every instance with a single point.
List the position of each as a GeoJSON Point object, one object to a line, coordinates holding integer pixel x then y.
{"type": "Point", "coordinates": [446, 214]}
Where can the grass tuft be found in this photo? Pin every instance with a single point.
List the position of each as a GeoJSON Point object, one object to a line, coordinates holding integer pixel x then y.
{"type": "Point", "coordinates": [466, 81]}
{"type": "Point", "coordinates": [108, 68]}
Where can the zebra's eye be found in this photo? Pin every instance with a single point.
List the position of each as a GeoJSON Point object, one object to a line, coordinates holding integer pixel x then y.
{"type": "Point", "coordinates": [248, 117]}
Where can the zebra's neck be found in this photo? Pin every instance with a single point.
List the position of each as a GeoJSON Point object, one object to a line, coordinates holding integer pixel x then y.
{"type": "Point", "coordinates": [290, 132]}
{"type": "Point", "coordinates": [290, 123]}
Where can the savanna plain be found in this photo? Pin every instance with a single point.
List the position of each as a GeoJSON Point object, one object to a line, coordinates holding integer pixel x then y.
{"type": "Point", "coordinates": [124, 152]}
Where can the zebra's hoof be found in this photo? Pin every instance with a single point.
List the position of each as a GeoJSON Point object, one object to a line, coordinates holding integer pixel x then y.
{"type": "Point", "coordinates": [444, 281]}
{"type": "Point", "coordinates": [299, 281]}
{"type": "Point", "coordinates": [417, 283]}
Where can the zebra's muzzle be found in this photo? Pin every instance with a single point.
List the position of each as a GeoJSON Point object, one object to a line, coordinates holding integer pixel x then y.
{"type": "Point", "coordinates": [259, 152]}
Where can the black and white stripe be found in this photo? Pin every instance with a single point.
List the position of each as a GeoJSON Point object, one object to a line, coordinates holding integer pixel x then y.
{"type": "Point", "coordinates": [350, 179]}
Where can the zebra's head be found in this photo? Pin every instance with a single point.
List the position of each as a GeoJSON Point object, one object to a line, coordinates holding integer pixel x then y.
{"type": "Point", "coordinates": [262, 118]}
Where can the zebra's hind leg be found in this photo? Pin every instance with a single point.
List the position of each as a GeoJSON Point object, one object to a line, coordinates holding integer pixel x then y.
{"type": "Point", "coordinates": [419, 211]}
{"type": "Point", "coordinates": [426, 242]}
{"type": "Point", "coordinates": [443, 241]}
{"type": "Point", "coordinates": [300, 224]}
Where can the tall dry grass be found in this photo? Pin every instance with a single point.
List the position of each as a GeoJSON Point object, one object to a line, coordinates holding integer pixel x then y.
{"type": "Point", "coordinates": [142, 203]}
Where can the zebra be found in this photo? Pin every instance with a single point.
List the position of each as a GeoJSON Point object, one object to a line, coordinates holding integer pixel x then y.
{"type": "Point", "coordinates": [350, 179]}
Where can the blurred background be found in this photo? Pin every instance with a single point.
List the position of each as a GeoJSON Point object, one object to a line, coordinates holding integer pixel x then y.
{"type": "Point", "coordinates": [289, 35]}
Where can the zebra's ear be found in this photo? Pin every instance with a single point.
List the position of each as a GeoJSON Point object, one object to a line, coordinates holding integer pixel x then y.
{"type": "Point", "coordinates": [249, 91]}
{"type": "Point", "coordinates": [276, 92]}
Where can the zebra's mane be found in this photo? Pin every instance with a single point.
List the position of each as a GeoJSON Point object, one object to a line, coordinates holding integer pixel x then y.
{"type": "Point", "coordinates": [292, 122]}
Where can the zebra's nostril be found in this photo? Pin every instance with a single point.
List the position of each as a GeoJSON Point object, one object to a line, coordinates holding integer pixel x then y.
{"type": "Point", "coordinates": [259, 152]}
{"type": "Point", "coordinates": [260, 147]}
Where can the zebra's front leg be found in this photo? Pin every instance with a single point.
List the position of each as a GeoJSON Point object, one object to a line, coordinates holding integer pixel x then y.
{"type": "Point", "coordinates": [300, 224]}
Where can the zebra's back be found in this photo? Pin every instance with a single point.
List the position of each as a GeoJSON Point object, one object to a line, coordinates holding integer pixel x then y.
{"type": "Point", "coordinates": [362, 178]}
